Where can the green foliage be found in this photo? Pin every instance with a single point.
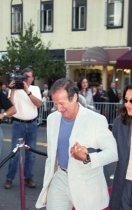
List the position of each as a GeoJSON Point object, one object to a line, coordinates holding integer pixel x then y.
{"type": "Point", "coordinates": [28, 49]}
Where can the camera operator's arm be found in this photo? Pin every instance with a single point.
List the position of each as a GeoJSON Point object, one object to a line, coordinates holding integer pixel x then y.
{"type": "Point", "coordinates": [7, 106]}
{"type": "Point", "coordinates": [9, 112]}
{"type": "Point", "coordinates": [36, 101]}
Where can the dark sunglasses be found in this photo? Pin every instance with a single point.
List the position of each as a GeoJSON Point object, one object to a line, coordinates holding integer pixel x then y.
{"type": "Point", "coordinates": [126, 101]}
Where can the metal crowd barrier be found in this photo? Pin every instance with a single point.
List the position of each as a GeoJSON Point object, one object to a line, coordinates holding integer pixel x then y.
{"type": "Point", "coordinates": [44, 111]}
{"type": "Point", "coordinates": [109, 110]}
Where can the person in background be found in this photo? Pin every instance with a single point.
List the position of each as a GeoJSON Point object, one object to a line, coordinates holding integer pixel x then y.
{"type": "Point", "coordinates": [113, 100]}
{"type": "Point", "coordinates": [8, 110]}
{"type": "Point", "coordinates": [46, 102]}
{"type": "Point", "coordinates": [99, 97]}
{"type": "Point", "coordinates": [113, 93]}
{"type": "Point", "coordinates": [96, 94]}
{"type": "Point", "coordinates": [79, 145]}
{"type": "Point", "coordinates": [86, 92]}
{"type": "Point", "coordinates": [103, 94]}
{"type": "Point", "coordinates": [45, 91]}
{"type": "Point", "coordinates": [121, 198]}
{"type": "Point", "coordinates": [81, 99]}
{"type": "Point", "coordinates": [26, 100]}
{"type": "Point", "coordinates": [45, 96]}
{"type": "Point", "coordinates": [4, 89]}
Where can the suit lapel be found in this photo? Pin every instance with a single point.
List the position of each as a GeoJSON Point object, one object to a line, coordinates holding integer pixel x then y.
{"type": "Point", "coordinates": [56, 134]}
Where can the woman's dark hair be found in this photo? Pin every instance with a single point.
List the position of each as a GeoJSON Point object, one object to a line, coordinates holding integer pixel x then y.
{"type": "Point", "coordinates": [126, 119]}
{"type": "Point", "coordinates": [80, 82]}
{"type": "Point", "coordinates": [66, 84]}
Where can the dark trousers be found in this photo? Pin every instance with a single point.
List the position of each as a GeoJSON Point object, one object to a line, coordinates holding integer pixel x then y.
{"type": "Point", "coordinates": [126, 199]}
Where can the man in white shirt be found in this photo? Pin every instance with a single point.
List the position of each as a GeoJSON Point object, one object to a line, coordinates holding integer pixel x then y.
{"type": "Point", "coordinates": [26, 100]}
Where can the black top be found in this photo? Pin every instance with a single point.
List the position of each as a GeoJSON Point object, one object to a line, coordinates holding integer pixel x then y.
{"type": "Point", "coordinates": [122, 134]}
{"type": "Point", "coordinates": [113, 96]}
{"type": "Point", "coordinates": [5, 103]}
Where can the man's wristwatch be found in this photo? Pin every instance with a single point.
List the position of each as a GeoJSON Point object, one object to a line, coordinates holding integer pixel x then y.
{"type": "Point", "coordinates": [4, 114]}
{"type": "Point", "coordinates": [30, 93]}
{"type": "Point", "coordinates": [87, 160]}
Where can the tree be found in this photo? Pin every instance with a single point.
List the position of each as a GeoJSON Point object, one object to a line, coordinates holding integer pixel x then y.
{"type": "Point", "coordinates": [28, 49]}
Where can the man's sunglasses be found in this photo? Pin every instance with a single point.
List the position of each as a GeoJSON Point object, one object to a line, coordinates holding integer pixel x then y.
{"type": "Point", "coordinates": [126, 101]}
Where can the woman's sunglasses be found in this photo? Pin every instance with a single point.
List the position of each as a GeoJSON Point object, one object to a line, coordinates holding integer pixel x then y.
{"type": "Point", "coordinates": [126, 101]}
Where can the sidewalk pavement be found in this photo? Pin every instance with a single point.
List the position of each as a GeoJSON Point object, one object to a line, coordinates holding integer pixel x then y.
{"type": "Point", "coordinates": [41, 133]}
{"type": "Point", "coordinates": [10, 199]}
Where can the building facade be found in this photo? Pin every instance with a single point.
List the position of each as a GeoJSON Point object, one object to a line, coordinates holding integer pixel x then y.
{"type": "Point", "coordinates": [80, 28]}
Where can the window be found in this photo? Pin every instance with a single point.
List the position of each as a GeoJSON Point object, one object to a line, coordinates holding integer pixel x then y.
{"type": "Point", "coordinates": [46, 16]}
{"type": "Point", "coordinates": [79, 8]}
{"type": "Point", "coordinates": [16, 18]}
{"type": "Point", "coordinates": [114, 13]}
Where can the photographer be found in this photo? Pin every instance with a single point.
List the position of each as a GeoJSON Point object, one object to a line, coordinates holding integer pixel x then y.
{"type": "Point", "coordinates": [27, 100]}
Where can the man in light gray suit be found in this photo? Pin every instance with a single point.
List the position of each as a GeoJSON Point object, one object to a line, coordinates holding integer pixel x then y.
{"type": "Point", "coordinates": [79, 145]}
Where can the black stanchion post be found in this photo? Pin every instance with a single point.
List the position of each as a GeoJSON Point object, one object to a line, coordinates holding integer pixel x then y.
{"type": "Point", "coordinates": [21, 148]}
{"type": "Point", "coordinates": [22, 183]}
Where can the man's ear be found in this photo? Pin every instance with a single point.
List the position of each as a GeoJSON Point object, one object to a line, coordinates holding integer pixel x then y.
{"type": "Point", "coordinates": [75, 97]}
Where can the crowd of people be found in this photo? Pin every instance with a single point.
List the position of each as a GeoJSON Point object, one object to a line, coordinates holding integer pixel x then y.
{"type": "Point", "coordinates": [91, 97]}
{"type": "Point", "coordinates": [91, 94]}
{"type": "Point", "coordinates": [79, 146]}
{"type": "Point", "coordinates": [88, 96]}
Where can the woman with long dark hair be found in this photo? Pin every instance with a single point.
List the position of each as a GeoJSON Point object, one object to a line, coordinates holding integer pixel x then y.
{"type": "Point", "coordinates": [121, 198]}
{"type": "Point", "coordinates": [85, 91]}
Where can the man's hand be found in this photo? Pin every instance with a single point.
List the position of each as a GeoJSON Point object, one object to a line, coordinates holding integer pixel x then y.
{"type": "Point", "coordinates": [26, 86]}
{"type": "Point", "coordinates": [79, 152]}
{"type": "Point", "coordinates": [12, 84]}
{"type": "Point", "coordinates": [1, 116]}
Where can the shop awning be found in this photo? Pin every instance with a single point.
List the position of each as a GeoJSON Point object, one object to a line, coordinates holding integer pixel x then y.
{"type": "Point", "coordinates": [95, 56]}
{"type": "Point", "coordinates": [125, 61]}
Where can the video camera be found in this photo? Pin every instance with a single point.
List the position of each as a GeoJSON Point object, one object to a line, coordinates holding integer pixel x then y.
{"type": "Point", "coordinates": [18, 77]}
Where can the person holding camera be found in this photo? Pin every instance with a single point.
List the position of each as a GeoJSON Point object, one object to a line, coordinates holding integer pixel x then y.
{"type": "Point", "coordinates": [26, 101]}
